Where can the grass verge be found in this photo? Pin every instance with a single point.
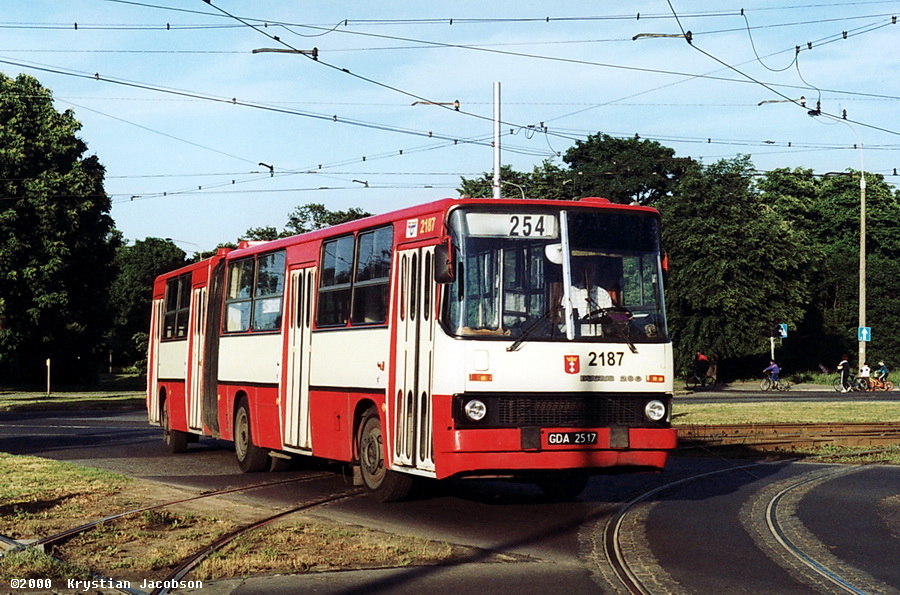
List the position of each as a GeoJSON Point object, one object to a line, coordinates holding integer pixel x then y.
{"type": "Point", "coordinates": [77, 400]}
{"type": "Point", "coordinates": [785, 412]}
{"type": "Point", "coordinates": [41, 497]}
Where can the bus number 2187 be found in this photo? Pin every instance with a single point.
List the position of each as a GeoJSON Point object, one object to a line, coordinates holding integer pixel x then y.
{"type": "Point", "coordinates": [606, 358]}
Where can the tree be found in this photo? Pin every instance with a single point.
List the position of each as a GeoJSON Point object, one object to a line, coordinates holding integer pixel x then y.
{"type": "Point", "coordinates": [737, 265]}
{"type": "Point", "coordinates": [263, 234]}
{"type": "Point", "coordinates": [836, 213]}
{"type": "Point", "coordinates": [313, 216]}
{"type": "Point", "coordinates": [624, 170]}
{"type": "Point", "coordinates": [303, 219]}
{"type": "Point", "coordinates": [132, 292]}
{"type": "Point", "coordinates": [57, 240]}
{"type": "Point", "coordinates": [546, 182]}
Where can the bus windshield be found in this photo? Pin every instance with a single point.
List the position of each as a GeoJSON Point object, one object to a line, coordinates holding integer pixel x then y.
{"type": "Point", "coordinates": [550, 275]}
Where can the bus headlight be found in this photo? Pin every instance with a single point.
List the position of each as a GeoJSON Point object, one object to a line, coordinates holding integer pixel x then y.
{"type": "Point", "coordinates": [655, 410]}
{"type": "Point", "coordinates": [475, 410]}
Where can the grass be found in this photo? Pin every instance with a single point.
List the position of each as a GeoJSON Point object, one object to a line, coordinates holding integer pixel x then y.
{"type": "Point", "coordinates": [784, 412]}
{"type": "Point", "coordinates": [113, 391]}
{"type": "Point", "coordinates": [301, 546]}
{"type": "Point", "coordinates": [40, 497]}
{"type": "Point", "coordinates": [78, 400]}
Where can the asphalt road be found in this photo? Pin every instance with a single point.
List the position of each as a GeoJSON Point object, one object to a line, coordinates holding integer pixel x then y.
{"type": "Point", "coordinates": [703, 529]}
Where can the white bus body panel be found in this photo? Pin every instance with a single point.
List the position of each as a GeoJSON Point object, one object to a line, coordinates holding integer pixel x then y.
{"type": "Point", "coordinates": [173, 360]}
{"type": "Point", "coordinates": [355, 358]}
{"type": "Point", "coordinates": [250, 358]}
{"type": "Point", "coordinates": [548, 367]}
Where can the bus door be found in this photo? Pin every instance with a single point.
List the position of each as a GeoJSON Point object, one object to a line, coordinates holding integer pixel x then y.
{"type": "Point", "coordinates": [195, 359]}
{"type": "Point", "coordinates": [414, 340]}
{"type": "Point", "coordinates": [156, 321]}
{"type": "Point", "coordinates": [295, 418]}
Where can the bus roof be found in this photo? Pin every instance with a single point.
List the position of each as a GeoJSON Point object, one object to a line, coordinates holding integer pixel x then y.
{"type": "Point", "coordinates": [442, 205]}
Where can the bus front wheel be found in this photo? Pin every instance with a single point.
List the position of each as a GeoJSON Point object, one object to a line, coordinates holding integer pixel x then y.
{"type": "Point", "coordinates": [250, 457]}
{"type": "Point", "coordinates": [385, 485]}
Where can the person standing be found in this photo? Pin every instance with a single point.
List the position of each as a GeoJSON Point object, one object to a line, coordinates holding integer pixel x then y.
{"type": "Point", "coordinates": [844, 368]}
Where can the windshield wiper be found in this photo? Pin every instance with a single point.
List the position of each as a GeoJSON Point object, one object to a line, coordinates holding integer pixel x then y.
{"type": "Point", "coordinates": [529, 330]}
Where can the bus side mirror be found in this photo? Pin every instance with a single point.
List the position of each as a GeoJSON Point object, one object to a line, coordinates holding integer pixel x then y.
{"type": "Point", "coordinates": [443, 264]}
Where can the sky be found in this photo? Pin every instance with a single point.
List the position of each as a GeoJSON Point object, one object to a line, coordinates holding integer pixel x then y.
{"type": "Point", "coordinates": [204, 138]}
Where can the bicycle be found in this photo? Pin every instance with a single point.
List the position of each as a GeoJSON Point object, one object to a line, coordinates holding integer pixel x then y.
{"type": "Point", "coordinates": [698, 381]}
{"type": "Point", "coordinates": [768, 383]}
{"type": "Point", "coordinates": [876, 384]}
{"type": "Point", "coordinates": [854, 384]}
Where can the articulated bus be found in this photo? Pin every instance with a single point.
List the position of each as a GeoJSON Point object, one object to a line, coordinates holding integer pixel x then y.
{"type": "Point", "coordinates": [462, 338]}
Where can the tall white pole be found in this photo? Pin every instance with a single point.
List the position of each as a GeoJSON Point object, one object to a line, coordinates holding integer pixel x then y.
{"type": "Point", "coordinates": [862, 256]}
{"type": "Point", "coordinates": [496, 184]}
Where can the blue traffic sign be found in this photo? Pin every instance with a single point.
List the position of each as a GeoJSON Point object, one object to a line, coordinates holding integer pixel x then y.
{"type": "Point", "coordinates": [864, 334]}
{"type": "Point", "coordinates": [782, 330]}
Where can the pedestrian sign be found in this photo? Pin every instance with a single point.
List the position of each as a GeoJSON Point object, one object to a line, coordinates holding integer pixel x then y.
{"type": "Point", "coordinates": [782, 330]}
{"type": "Point", "coordinates": [864, 333]}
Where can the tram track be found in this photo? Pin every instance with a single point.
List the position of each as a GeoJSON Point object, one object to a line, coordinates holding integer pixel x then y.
{"type": "Point", "coordinates": [782, 535]}
{"type": "Point", "coordinates": [192, 561]}
{"type": "Point", "coordinates": [10, 546]}
{"type": "Point", "coordinates": [628, 561]}
{"type": "Point", "coordinates": [61, 536]}
{"type": "Point", "coordinates": [788, 436]}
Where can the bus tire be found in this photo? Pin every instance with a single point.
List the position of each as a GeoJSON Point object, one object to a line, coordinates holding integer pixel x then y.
{"type": "Point", "coordinates": [250, 457]}
{"type": "Point", "coordinates": [175, 440]}
{"type": "Point", "coordinates": [385, 485]}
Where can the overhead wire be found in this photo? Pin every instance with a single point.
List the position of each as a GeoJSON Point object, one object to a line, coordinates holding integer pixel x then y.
{"type": "Point", "coordinates": [688, 37]}
{"type": "Point", "coordinates": [376, 82]}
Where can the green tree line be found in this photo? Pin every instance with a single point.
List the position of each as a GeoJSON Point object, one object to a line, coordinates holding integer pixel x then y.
{"type": "Point", "coordinates": [746, 250]}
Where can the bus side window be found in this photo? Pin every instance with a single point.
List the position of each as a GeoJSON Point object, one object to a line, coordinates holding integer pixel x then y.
{"type": "Point", "coordinates": [373, 268]}
{"type": "Point", "coordinates": [333, 308]}
{"type": "Point", "coordinates": [178, 305]}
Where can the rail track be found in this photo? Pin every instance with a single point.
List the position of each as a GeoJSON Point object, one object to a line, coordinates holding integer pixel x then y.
{"type": "Point", "coordinates": [789, 436]}
{"type": "Point", "coordinates": [641, 577]}
{"type": "Point", "coordinates": [61, 536]}
{"type": "Point", "coordinates": [10, 546]}
{"type": "Point", "coordinates": [821, 565]}
{"type": "Point", "coordinates": [196, 558]}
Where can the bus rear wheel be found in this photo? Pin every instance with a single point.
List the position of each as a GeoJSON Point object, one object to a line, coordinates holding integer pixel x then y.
{"type": "Point", "coordinates": [384, 484]}
{"type": "Point", "coordinates": [175, 440]}
{"type": "Point", "coordinates": [250, 457]}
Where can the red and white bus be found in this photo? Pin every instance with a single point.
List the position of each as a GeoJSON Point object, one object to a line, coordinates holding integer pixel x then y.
{"type": "Point", "coordinates": [465, 337]}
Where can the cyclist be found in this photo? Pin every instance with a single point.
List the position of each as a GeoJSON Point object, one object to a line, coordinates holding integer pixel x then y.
{"type": "Point", "coordinates": [701, 365]}
{"type": "Point", "coordinates": [773, 370]}
{"type": "Point", "coordinates": [882, 372]}
{"type": "Point", "coordinates": [844, 368]}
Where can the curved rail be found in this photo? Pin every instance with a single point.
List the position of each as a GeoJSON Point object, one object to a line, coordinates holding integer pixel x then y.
{"type": "Point", "coordinates": [612, 529]}
{"type": "Point", "coordinates": [62, 535]}
{"type": "Point", "coordinates": [781, 537]}
{"type": "Point", "coordinates": [192, 561]}
{"type": "Point", "coordinates": [613, 526]}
